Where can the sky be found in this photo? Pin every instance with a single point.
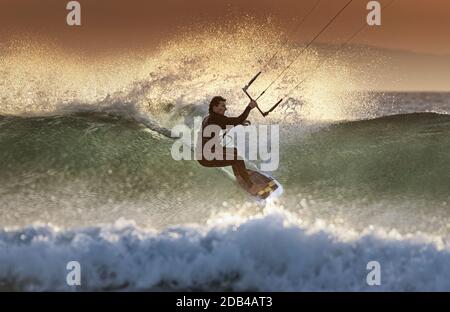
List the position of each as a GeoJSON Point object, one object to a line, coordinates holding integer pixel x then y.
{"type": "Point", "coordinates": [414, 33]}
{"type": "Point", "coordinates": [413, 25]}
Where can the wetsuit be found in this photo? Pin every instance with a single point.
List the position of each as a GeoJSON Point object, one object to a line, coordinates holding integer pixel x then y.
{"type": "Point", "coordinates": [237, 164]}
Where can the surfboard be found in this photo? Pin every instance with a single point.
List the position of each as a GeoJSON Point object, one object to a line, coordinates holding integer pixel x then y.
{"type": "Point", "coordinates": [271, 189]}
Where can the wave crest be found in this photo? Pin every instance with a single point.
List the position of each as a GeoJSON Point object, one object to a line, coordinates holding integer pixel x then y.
{"type": "Point", "coordinates": [272, 251]}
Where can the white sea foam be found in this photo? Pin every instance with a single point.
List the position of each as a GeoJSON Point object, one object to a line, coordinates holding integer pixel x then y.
{"type": "Point", "coordinates": [274, 250]}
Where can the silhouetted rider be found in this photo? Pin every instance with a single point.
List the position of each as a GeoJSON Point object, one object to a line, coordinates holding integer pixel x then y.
{"type": "Point", "coordinates": [226, 156]}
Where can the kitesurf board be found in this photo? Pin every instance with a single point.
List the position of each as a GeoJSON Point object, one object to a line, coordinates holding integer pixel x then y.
{"type": "Point", "coordinates": [272, 187]}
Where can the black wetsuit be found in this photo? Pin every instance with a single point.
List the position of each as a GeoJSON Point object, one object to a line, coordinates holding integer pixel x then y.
{"type": "Point", "coordinates": [237, 164]}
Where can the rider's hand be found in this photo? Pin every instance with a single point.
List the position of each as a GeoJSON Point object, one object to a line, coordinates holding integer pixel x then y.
{"type": "Point", "coordinates": [252, 104]}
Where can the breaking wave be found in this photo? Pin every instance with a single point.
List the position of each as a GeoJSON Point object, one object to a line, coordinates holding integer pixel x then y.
{"type": "Point", "coordinates": [270, 251]}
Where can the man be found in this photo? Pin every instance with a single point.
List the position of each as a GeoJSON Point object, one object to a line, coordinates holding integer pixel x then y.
{"type": "Point", "coordinates": [226, 156]}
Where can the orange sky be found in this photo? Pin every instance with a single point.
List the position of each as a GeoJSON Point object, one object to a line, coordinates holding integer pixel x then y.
{"type": "Point", "coordinates": [414, 25]}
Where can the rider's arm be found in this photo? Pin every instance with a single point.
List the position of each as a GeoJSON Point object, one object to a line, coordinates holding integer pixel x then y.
{"type": "Point", "coordinates": [235, 121]}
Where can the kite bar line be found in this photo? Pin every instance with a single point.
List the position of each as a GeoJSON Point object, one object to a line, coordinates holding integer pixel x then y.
{"type": "Point", "coordinates": [337, 51]}
{"type": "Point", "coordinates": [245, 89]}
{"type": "Point", "coordinates": [293, 31]}
{"type": "Point", "coordinates": [305, 48]}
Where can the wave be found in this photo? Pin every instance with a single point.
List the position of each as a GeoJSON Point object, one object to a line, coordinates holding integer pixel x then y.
{"type": "Point", "coordinates": [89, 166]}
{"type": "Point", "coordinates": [272, 251]}
{"type": "Point", "coordinates": [85, 167]}
{"type": "Point", "coordinates": [401, 154]}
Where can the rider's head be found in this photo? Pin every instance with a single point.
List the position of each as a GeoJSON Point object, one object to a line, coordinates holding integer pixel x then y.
{"type": "Point", "coordinates": [217, 105]}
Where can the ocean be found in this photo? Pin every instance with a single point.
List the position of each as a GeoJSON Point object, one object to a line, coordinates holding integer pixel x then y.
{"type": "Point", "coordinates": [97, 184]}
{"type": "Point", "coordinates": [86, 172]}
